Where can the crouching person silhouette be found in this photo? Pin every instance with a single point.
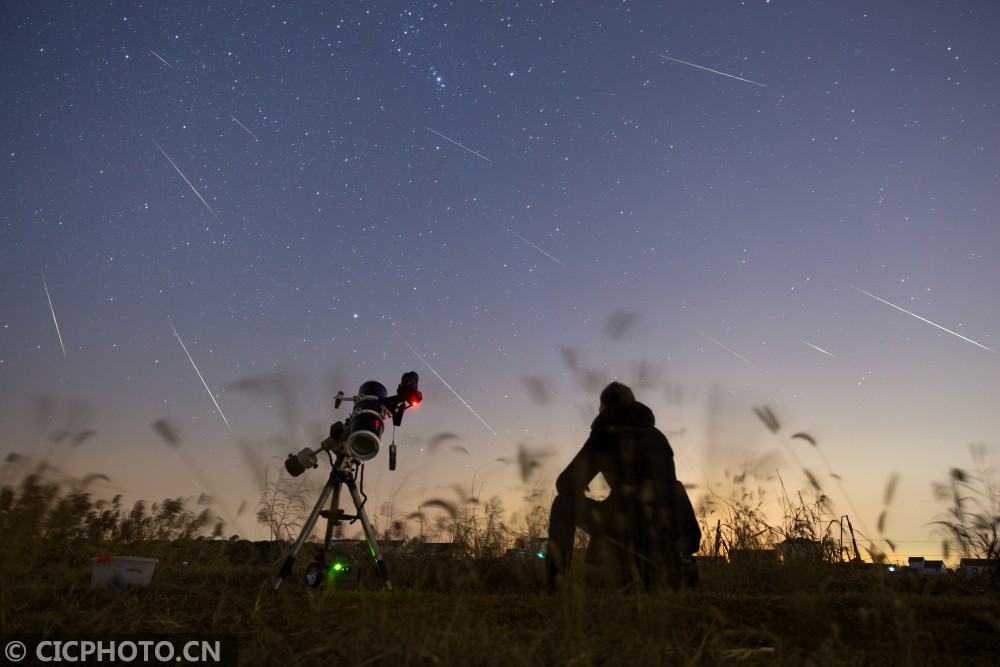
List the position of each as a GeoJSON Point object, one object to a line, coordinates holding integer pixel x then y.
{"type": "Point", "coordinates": [634, 532]}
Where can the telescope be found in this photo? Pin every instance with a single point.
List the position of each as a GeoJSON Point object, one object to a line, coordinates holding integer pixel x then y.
{"type": "Point", "coordinates": [348, 447]}
{"type": "Point", "coordinates": [361, 437]}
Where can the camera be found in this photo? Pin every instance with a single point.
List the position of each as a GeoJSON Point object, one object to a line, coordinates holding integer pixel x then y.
{"type": "Point", "coordinates": [361, 437]}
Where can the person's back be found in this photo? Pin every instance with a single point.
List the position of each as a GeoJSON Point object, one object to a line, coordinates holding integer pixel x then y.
{"type": "Point", "coordinates": [638, 465]}
{"type": "Point", "coordinates": [633, 532]}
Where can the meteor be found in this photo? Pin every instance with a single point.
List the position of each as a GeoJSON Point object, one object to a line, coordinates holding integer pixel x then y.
{"type": "Point", "coordinates": [185, 179]}
{"type": "Point", "coordinates": [459, 145]}
{"type": "Point", "coordinates": [534, 246]}
{"type": "Point", "coordinates": [244, 127]}
{"type": "Point", "coordinates": [724, 347]}
{"type": "Point", "coordinates": [447, 385]}
{"type": "Point", "coordinates": [158, 56]}
{"type": "Point", "coordinates": [199, 376]}
{"type": "Point", "coordinates": [923, 319]}
{"type": "Point", "coordinates": [818, 349]}
{"type": "Point", "coordinates": [684, 62]}
{"type": "Point", "coordinates": [56, 322]}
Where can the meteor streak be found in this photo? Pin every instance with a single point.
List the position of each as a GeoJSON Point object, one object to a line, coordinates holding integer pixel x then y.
{"type": "Point", "coordinates": [818, 349]}
{"type": "Point", "coordinates": [923, 319]}
{"type": "Point", "coordinates": [534, 246]}
{"type": "Point", "coordinates": [185, 179]}
{"type": "Point", "coordinates": [447, 385]}
{"type": "Point", "coordinates": [724, 347]}
{"type": "Point", "coordinates": [459, 145]}
{"type": "Point", "coordinates": [158, 56]}
{"type": "Point", "coordinates": [684, 62]}
{"type": "Point", "coordinates": [46, 286]}
{"type": "Point", "coordinates": [244, 127]}
{"type": "Point", "coordinates": [199, 376]}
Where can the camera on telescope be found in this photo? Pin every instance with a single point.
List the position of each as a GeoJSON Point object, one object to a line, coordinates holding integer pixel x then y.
{"type": "Point", "coordinates": [360, 438]}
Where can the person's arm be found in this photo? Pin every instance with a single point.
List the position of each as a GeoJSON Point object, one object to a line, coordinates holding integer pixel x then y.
{"type": "Point", "coordinates": [576, 477]}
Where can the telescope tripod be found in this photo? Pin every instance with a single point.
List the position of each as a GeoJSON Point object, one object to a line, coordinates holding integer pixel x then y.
{"type": "Point", "coordinates": [343, 473]}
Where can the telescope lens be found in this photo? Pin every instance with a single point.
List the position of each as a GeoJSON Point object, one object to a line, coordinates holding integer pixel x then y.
{"type": "Point", "coordinates": [366, 432]}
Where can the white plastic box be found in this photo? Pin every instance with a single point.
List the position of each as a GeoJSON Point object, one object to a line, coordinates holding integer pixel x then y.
{"type": "Point", "coordinates": [122, 571]}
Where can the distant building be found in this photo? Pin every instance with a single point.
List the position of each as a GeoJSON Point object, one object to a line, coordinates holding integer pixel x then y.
{"type": "Point", "coordinates": [753, 556]}
{"type": "Point", "coordinates": [800, 549]}
{"type": "Point", "coordinates": [418, 549]}
{"type": "Point", "coordinates": [407, 549]}
{"type": "Point", "coordinates": [922, 566]}
{"type": "Point", "coordinates": [709, 561]}
{"type": "Point", "coordinates": [977, 567]}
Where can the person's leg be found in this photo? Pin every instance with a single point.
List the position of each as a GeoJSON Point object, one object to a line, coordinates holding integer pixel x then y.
{"type": "Point", "coordinates": [590, 521]}
{"type": "Point", "coordinates": [608, 555]}
{"type": "Point", "coordinates": [659, 563]}
{"type": "Point", "coordinates": [562, 527]}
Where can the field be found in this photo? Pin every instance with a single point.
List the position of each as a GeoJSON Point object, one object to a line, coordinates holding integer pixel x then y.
{"type": "Point", "coordinates": [450, 612]}
{"type": "Point", "coordinates": [476, 605]}
{"type": "Point", "coordinates": [466, 610]}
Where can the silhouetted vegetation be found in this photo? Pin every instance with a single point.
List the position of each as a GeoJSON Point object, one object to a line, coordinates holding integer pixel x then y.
{"type": "Point", "coordinates": [971, 522]}
{"type": "Point", "coordinates": [470, 588]}
{"type": "Point", "coordinates": [478, 602]}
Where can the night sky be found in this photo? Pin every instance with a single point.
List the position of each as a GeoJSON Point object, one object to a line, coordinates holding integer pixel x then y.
{"type": "Point", "coordinates": [726, 205]}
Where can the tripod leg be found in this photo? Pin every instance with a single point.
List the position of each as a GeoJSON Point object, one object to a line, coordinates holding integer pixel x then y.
{"type": "Point", "coordinates": [332, 520]}
{"type": "Point", "coordinates": [380, 568]}
{"type": "Point", "coordinates": [286, 568]}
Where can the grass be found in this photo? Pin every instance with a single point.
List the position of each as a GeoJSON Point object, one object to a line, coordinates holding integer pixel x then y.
{"type": "Point", "coordinates": [475, 608]}
{"type": "Point", "coordinates": [494, 612]}
{"type": "Point", "coordinates": [847, 619]}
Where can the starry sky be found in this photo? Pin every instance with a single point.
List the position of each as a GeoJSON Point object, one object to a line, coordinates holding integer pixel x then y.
{"type": "Point", "coordinates": [727, 205]}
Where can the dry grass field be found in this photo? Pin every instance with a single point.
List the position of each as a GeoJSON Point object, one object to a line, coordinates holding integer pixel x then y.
{"type": "Point", "coordinates": [462, 610]}
{"type": "Point", "coordinates": [735, 618]}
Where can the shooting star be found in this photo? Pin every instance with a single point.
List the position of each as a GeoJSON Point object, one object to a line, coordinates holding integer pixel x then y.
{"type": "Point", "coordinates": [184, 347]}
{"type": "Point", "coordinates": [533, 246]}
{"type": "Point", "coordinates": [818, 349]}
{"type": "Point", "coordinates": [459, 145]}
{"type": "Point", "coordinates": [724, 347]}
{"type": "Point", "coordinates": [923, 319]}
{"type": "Point", "coordinates": [185, 179]}
{"type": "Point", "coordinates": [447, 385]}
{"type": "Point", "coordinates": [244, 127]}
{"type": "Point", "coordinates": [731, 76]}
{"type": "Point", "coordinates": [158, 56]}
{"type": "Point", "coordinates": [56, 322]}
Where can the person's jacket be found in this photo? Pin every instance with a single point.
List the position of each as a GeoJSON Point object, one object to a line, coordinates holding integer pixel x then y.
{"type": "Point", "coordinates": [637, 462]}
